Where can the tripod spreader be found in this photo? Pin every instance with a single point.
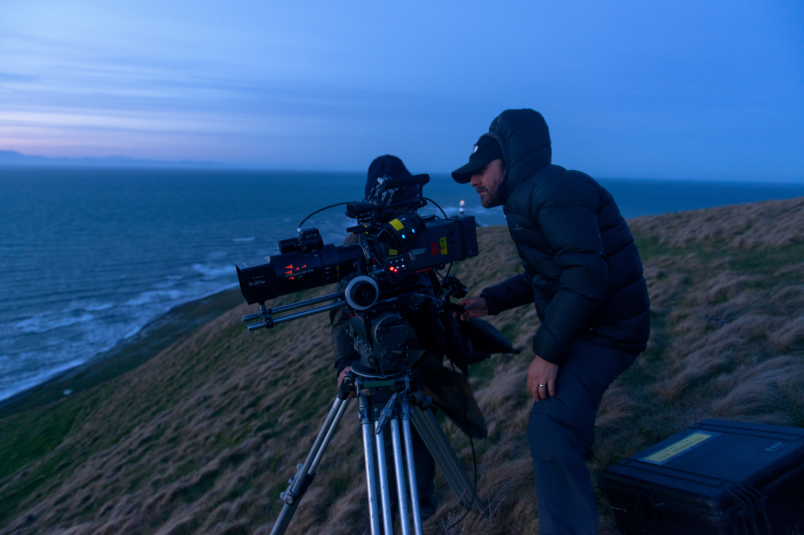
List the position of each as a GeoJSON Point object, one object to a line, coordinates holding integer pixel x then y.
{"type": "Point", "coordinates": [385, 414]}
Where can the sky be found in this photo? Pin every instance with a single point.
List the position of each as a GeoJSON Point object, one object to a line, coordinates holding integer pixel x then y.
{"type": "Point", "coordinates": [632, 89]}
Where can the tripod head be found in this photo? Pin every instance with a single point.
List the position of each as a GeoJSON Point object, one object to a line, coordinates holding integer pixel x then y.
{"type": "Point", "coordinates": [378, 316]}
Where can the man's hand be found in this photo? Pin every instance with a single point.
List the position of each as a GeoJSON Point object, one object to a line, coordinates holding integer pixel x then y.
{"type": "Point", "coordinates": [353, 391]}
{"type": "Point", "coordinates": [475, 307]}
{"type": "Point", "coordinates": [542, 378]}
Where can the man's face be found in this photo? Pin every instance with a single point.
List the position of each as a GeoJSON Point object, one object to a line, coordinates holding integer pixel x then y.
{"type": "Point", "coordinates": [486, 181]}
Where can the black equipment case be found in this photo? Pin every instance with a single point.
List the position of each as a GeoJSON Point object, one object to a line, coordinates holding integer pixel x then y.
{"type": "Point", "coordinates": [715, 477]}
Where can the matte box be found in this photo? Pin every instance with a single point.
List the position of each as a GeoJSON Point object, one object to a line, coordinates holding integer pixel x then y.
{"type": "Point", "coordinates": [717, 477]}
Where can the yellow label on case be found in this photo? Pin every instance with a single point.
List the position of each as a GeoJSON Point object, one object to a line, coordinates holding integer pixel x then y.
{"type": "Point", "coordinates": [397, 224]}
{"type": "Point", "coordinates": [392, 252]}
{"type": "Point", "coordinates": [678, 448]}
{"type": "Point", "coordinates": [443, 243]}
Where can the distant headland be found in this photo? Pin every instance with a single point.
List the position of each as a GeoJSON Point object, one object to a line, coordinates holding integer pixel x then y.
{"type": "Point", "coordinates": [11, 157]}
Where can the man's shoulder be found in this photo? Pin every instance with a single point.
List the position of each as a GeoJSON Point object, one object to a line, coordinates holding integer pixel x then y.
{"type": "Point", "coordinates": [554, 186]}
{"type": "Point", "coordinates": [537, 183]}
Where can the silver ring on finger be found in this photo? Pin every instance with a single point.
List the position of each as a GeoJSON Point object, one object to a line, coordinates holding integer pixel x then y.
{"type": "Point", "coordinates": [540, 386]}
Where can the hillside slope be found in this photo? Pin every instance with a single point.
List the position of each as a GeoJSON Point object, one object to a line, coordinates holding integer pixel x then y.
{"type": "Point", "coordinates": [202, 437]}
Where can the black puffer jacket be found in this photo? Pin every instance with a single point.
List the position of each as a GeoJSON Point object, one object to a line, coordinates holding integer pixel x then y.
{"type": "Point", "coordinates": [582, 268]}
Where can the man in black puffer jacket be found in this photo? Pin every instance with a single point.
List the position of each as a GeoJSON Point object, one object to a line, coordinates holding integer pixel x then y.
{"type": "Point", "coordinates": [584, 275]}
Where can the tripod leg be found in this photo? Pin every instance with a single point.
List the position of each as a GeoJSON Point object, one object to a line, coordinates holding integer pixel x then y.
{"type": "Point", "coordinates": [401, 491]}
{"type": "Point", "coordinates": [411, 464]}
{"type": "Point", "coordinates": [328, 437]}
{"type": "Point", "coordinates": [445, 457]}
{"type": "Point", "coordinates": [379, 438]}
{"type": "Point", "coordinates": [304, 473]}
{"type": "Point", "coordinates": [368, 449]}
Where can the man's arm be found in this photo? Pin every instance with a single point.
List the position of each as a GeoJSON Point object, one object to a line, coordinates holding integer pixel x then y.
{"type": "Point", "coordinates": [511, 293]}
{"type": "Point", "coordinates": [514, 292]}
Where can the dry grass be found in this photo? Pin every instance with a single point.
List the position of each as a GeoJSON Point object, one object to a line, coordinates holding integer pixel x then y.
{"type": "Point", "coordinates": [762, 225]}
{"type": "Point", "coordinates": [202, 438]}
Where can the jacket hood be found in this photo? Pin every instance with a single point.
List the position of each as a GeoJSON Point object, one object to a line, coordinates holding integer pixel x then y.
{"type": "Point", "coordinates": [389, 166]}
{"type": "Point", "coordinates": [525, 141]}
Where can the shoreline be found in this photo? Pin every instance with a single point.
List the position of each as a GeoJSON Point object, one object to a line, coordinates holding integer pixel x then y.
{"type": "Point", "coordinates": [127, 354]}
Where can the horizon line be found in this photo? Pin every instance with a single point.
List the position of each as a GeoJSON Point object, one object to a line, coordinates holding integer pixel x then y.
{"type": "Point", "coordinates": [18, 159]}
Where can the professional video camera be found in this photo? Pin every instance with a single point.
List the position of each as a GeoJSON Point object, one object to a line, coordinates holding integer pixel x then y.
{"type": "Point", "coordinates": [390, 274]}
{"type": "Point", "coordinates": [394, 244]}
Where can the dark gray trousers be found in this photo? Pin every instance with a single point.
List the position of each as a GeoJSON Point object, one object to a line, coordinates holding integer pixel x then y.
{"type": "Point", "coordinates": [561, 433]}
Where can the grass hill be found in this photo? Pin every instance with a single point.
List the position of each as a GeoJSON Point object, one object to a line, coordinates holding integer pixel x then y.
{"type": "Point", "coordinates": [202, 437]}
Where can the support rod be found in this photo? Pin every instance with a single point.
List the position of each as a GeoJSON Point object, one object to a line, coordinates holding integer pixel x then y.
{"type": "Point", "coordinates": [306, 302]}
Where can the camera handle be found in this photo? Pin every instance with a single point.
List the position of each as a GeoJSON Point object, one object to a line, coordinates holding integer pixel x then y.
{"type": "Point", "coordinates": [417, 300]}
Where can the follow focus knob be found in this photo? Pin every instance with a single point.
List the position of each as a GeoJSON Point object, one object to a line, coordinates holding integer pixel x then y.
{"type": "Point", "coordinates": [361, 293]}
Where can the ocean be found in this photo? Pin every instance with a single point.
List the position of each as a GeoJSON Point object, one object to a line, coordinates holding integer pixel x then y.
{"type": "Point", "coordinates": [88, 257]}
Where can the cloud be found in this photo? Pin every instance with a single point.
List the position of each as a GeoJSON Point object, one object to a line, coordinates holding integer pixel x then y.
{"type": "Point", "coordinates": [628, 90]}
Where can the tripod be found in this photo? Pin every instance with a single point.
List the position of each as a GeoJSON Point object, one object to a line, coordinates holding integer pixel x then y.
{"type": "Point", "coordinates": [391, 399]}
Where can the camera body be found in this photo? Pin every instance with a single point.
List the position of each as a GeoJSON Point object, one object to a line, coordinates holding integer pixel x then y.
{"type": "Point", "coordinates": [391, 246]}
{"type": "Point", "coordinates": [387, 271]}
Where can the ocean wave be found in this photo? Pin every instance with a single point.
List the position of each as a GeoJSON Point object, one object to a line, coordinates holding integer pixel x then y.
{"type": "Point", "coordinates": [217, 254]}
{"type": "Point", "coordinates": [154, 296]}
{"type": "Point", "coordinates": [213, 271]}
{"type": "Point", "coordinates": [98, 307]}
{"type": "Point", "coordinates": [250, 238]}
{"type": "Point", "coordinates": [132, 332]}
{"type": "Point", "coordinates": [42, 323]}
{"type": "Point", "coordinates": [10, 385]}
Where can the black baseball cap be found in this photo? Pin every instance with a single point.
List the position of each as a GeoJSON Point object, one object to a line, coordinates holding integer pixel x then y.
{"type": "Point", "coordinates": [485, 150]}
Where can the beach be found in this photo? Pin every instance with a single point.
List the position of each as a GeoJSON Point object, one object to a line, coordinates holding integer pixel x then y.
{"type": "Point", "coordinates": [127, 354]}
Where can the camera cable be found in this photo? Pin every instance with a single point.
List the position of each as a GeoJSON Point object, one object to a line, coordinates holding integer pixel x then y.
{"type": "Point", "coordinates": [444, 277]}
{"type": "Point", "coordinates": [466, 423]}
{"type": "Point", "coordinates": [321, 210]}
{"type": "Point", "coordinates": [437, 206]}
{"type": "Point", "coordinates": [471, 444]}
